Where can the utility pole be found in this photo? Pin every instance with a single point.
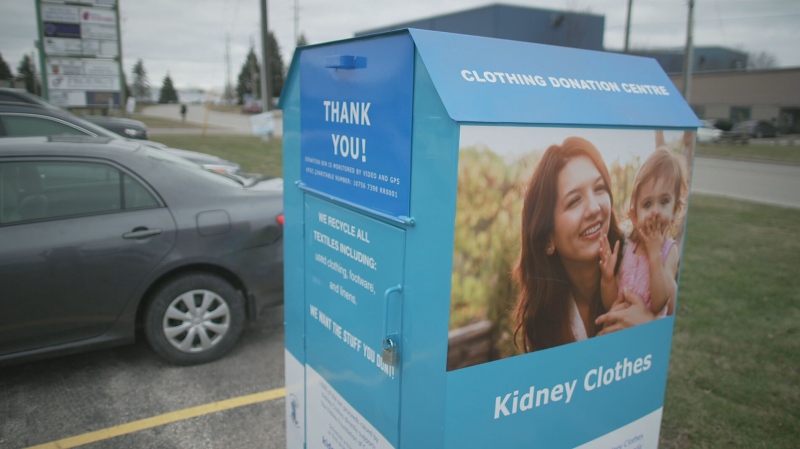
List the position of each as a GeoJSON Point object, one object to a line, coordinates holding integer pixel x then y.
{"type": "Point", "coordinates": [628, 26]}
{"type": "Point", "coordinates": [266, 79]}
{"type": "Point", "coordinates": [296, 20]}
{"type": "Point", "coordinates": [688, 56]}
{"type": "Point", "coordinates": [227, 94]}
{"type": "Point", "coordinates": [253, 78]}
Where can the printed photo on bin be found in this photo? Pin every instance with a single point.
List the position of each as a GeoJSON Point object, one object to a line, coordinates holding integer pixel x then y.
{"type": "Point", "coordinates": [563, 234]}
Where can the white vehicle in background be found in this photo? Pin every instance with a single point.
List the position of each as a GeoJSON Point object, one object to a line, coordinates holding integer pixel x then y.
{"type": "Point", "coordinates": [707, 133]}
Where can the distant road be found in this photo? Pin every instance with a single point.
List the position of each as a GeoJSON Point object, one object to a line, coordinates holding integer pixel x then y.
{"type": "Point", "coordinates": [766, 183]}
{"type": "Point", "coordinates": [228, 122]}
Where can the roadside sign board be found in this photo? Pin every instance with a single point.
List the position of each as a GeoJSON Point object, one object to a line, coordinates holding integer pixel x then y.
{"type": "Point", "coordinates": [262, 124]}
{"type": "Point", "coordinates": [80, 52]}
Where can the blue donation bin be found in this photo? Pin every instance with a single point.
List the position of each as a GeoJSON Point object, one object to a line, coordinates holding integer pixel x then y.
{"type": "Point", "coordinates": [482, 243]}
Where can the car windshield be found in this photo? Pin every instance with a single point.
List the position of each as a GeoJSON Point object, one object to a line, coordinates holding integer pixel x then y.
{"type": "Point", "coordinates": [99, 130]}
{"type": "Point", "coordinates": [157, 153]}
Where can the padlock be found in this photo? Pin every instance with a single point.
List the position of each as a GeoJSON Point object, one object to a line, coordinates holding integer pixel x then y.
{"type": "Point", "coordinates": [389, 354]}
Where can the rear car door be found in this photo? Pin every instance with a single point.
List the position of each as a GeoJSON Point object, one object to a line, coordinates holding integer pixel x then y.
{"type": "Point", "coordinates": [77, 237]}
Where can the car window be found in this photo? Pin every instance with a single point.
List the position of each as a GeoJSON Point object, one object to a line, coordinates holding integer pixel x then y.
{"type": "Point", "coordinates": [57, 189]}
{"type": "Point", "coordinates": [136, 195]}
{"type": "Point", "coordinates": [24, 126]}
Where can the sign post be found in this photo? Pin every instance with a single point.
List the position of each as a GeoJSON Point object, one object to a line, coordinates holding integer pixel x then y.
{"type": "Point", "coordinates": [445, 193]}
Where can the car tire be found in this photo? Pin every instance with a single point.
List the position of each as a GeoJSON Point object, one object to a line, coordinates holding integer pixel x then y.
{"type": "Point", "coordinates": [194, 318]}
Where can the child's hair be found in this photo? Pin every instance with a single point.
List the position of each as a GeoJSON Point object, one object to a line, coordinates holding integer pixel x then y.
{"type": "Point", "coordinates": [662, 164]}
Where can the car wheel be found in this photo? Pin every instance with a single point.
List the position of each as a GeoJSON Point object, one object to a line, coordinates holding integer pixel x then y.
{"type": "Point", "coordinates": [194, 318]}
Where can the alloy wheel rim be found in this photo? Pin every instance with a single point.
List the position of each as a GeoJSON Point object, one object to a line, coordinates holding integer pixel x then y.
{"type": "Point", "coordinates": [196, 321]}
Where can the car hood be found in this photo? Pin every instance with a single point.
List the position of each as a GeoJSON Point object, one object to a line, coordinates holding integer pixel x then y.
{"type": "Point", "coordinates": [268, 185]}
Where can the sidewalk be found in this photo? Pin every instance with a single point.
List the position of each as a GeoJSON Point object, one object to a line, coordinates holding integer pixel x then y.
{"type": "Point", "coordinates": [767, 183]}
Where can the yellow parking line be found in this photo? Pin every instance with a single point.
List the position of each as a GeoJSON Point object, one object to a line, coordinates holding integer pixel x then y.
{"type": "Point", "coordinates": [160, 420]}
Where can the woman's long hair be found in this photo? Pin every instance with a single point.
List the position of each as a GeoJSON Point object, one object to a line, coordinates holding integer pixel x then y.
{"type": "Point", "coordinates": [543, 310]}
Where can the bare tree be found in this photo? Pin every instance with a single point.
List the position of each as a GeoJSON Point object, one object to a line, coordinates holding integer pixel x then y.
{"type": "Point", "coordinates": [761, 60]}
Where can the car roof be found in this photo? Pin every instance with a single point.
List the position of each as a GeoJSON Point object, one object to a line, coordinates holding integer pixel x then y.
{"type": "Point", "coordinates": [42, 110]}
{"type": "Point", "coordinates": [114, 148]}
{"type": "Point", "coordinates": [23, 95]}
{"type": "Point", "coordinates": [85, 146]}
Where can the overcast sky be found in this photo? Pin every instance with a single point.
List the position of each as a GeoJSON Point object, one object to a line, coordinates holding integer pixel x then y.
{"type": "Point", "coordinates": [187, 38]}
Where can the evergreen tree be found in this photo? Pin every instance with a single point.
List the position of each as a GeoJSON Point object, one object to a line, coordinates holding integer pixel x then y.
{"type": "Point", "coordinates": [168, 93]}
{"type": "Point", "coordinates": [248, 81]}
{"type": "Point", "coordinates": [141, 84]}
{"type": "Point", "coordinates": [5, 70]}
{"type": "Point", "coordinates": [276, 66]}
{"type": "Point", "coordinates": [302, 41]}
{"type": "Point", "coordinates": [26, 71]}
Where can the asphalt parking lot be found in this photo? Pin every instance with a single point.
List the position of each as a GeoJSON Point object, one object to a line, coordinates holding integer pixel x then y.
{"type": "Point", "coordinates": [100, 394]}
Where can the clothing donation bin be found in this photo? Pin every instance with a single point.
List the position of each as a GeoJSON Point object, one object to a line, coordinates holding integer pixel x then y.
{"type": "Point", "coordinates": [482, 243]}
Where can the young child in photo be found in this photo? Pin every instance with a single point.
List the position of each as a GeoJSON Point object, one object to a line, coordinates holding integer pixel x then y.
{"type": "Point", "coordinates": [649, 264]}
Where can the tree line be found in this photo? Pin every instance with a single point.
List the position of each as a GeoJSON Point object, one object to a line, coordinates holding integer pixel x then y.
{"type": "Point", "coordinates": [248, 81]}
{"type": "Point", "coordinates": [26, 73]}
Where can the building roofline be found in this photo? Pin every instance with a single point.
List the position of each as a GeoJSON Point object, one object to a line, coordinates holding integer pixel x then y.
{"type": "Point", "coordinates": [738, 72]}
{"type": "Point", "coordinates": [477, 8]}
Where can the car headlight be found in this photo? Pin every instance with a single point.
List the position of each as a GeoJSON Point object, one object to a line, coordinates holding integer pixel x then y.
{"type": "Point", "coordinates": [133, 132]}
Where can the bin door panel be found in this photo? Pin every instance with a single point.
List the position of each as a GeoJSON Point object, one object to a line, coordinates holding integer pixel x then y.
{"type": "Point", "coordinates": [353, 296]}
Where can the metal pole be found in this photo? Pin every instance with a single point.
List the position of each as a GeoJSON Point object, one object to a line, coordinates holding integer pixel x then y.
{"type": "Point", "coordinates": [228, 94]}
{"type": "Point", "coordinates": [628, 25]}
{"type": "Point", "coordinates": [39, 44]}
{"type": "Point", "coordinates": [688, 56]}
{"type": "Point", "coordinates": [296, 20]}
{"type": "Point", "coordinates": [122, 87]}
{"type": "Point", "coordinates": [266, 91]}
{"type": "Point", "coordinates": [253, 78]}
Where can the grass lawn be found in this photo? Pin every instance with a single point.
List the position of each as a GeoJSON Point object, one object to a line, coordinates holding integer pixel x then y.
{"type": "Point", "coordinates": [753, 151]}
{"type": "Point", "coordinates": [734, 379]}
{"type": "Point", "coordinates": [734, 376]}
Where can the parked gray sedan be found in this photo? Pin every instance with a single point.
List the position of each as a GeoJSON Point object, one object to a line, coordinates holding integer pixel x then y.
{"type": "Point", "coordinates": [99, 237]}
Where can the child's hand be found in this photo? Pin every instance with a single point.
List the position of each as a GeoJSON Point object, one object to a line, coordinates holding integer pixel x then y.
{"type": "Point", "coordinates": [608, 258]}
{"type": "Point", "coordinates": [630, 312]}
{"type": "Point", "coordinates": [653, 233]}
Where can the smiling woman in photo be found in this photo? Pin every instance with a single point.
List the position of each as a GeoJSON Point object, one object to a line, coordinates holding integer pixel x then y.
{"type": "Point", "coordinates": [567, 209]}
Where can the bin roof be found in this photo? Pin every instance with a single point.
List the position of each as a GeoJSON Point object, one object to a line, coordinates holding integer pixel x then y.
{"type": "Point", "coordinates": [487, 80]}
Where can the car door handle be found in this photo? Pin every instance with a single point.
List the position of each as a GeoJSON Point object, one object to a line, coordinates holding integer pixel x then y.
{"type": "Point", "coordinates": [141, 233]}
